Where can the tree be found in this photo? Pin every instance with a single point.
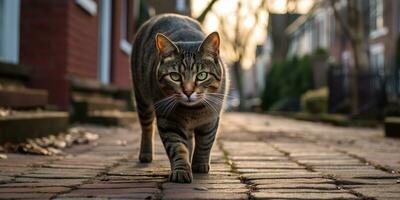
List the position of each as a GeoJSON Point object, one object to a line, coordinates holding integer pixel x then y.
{"type": "Point", "coordinates": [277, 25]}
{"type": "Point", "coordinates": [353, 28]}
{"type": "Point", "coordinates": [206, 10]}
{"type": "Point", "coordinates": [236, 38]}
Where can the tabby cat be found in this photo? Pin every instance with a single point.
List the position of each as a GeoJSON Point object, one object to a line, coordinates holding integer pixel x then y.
{"type": "Point", "coordinates": [180, 80]}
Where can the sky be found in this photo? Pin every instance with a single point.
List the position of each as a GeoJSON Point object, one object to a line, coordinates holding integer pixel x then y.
{"type": "Point", "coordinates": [227, 10]}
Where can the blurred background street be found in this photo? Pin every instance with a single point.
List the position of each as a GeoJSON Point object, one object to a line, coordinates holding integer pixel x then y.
{"type": "Point", "coordinates": [313, 109]}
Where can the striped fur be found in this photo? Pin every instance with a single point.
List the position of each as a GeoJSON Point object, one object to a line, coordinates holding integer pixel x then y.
{"type": "Point", "coordinates": [180, 85]}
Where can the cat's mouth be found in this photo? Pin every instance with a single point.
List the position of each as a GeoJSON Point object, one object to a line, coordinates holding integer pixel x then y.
{"type": "Point", "coordinates": [191, 100]}
{"type": "Point", "coordinates": [190, 103]}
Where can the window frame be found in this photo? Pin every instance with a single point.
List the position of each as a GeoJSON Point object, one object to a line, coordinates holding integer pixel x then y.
{"type": "Point", "coordinates": [9, 31]}
{"type": "Point", "coordinates": [377, 19]}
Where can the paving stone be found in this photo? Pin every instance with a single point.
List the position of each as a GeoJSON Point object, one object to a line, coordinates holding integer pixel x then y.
{"type": "Point", "coordinates": [302, 191]}
{"type": "Point", "coordinates": [208, 186]}
{"type": "Point", "coordinates": [267, 165]}
{"type": "Point", "coordinates": [33, 190]}
{"type": "Point", "coordinates": [69, 166]}
{"type": "Point", "coordinates": [80, 198]}
{"type": "Point", "coordinates": [26, 196]}
{"type": "Point", "coordinates": [114, 192]}
{"type": "Point", "coordinates": [206, 195]}
{"type": "Point", "coordinates": [297, 180]}
{"type": "Point", "coordinates": [331, 162]}
{"type": "Point", "coordinates": [392, 191]}
{"type": "Point", "coordinates": [110, 185]}
{"type": "Point", "coordinates": [357, 181]}
{"type": "Point", "coordinates": [308, 195]}
{"type": "Point", "coordinates": [58, 176]}
{"type": "Point", "coordinates": [5, 179]}
{"type": "Point", "coordinates": [280, 175]}
{"type": "Point", "coordinates": [258, 158]}
{"type": "Point", "coordinates": [248, 170]}
{"type": "Point", "coordinates": [355, 173]}
{"type": "Point", "coordinates": [215, 181]}
{"type": "Point", "coordinates": [45, 181]}
{"type": "Point", "coordinates": [297, 186]}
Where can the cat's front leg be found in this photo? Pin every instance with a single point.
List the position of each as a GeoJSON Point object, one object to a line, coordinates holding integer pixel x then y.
{"type": "Point", "coordinates": [176, 146]}
{"type": "Point", "coordinates": [204, 140]}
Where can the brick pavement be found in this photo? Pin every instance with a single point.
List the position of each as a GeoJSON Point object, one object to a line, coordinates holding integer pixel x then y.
{"type": "Point", "coordinates": [256, 157]}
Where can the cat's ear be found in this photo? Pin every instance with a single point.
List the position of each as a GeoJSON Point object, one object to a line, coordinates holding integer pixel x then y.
{"type": "Point", "coordinates": [165, 46]}
{"type": "Point", "coordinates": [210, 45]}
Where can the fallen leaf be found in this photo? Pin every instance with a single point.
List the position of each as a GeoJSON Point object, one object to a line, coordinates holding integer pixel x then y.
{"type": "Point", "coordinates": [3, 156]}
{"type": "Point", "coordinates": [201, 188]}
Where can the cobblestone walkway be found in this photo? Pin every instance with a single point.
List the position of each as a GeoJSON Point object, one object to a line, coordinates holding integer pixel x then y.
{"type": "Point", "coordinates": [256, 157]}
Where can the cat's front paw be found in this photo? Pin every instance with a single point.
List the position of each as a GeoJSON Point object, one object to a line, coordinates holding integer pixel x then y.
{"type": "Point", "coordinates": [201, 168]}
{"type": "Point", "coordinates": [181, 176]}
{"type": "Point", "coordinates": [145, 157]}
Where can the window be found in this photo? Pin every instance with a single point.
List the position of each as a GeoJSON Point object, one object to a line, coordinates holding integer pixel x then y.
{"type": "Point", "coordinates": [316, 35]}
{"type": "Point", "coordinates": [346, 63]}
{"type": "Point", "coordinates": [180, 5]}
{"type": "Point", "coordinates": [89, 6]}
{"type": "Point", "coordinates": [377, 28]}
{"type": "Point", "coordinates": [377, 59]}
{"type": "Point", "coordinates": [127, 18]}
{"type": "Point", "coordinates": [331, 28]}
{"type": "Point", "coordinates": [105, 41]}
{"type": "Point", "coordinates": [9, 30]}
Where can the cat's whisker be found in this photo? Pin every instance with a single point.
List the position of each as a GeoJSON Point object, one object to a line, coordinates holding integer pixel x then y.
{"type": "Point", "coordinates": [170, 108]}
{"type": "Point", "coordinates": [163, 104]}
{"type": "Point", "coordinates": [167, 107]}
{"type": "Point", "coordinates": [218, 95]}
{"type": "Point", "coordinates": [217, 101]}
{"type": "Point", "coordinates": [165, 99]}
{"type": "Point", "coordinates": [209, 103]}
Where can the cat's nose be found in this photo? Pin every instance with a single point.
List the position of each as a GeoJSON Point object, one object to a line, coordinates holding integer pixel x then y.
{"type": "Point", "coordinates": [188, 88]}
{"type": "Point", "coordinates": [188, 93]}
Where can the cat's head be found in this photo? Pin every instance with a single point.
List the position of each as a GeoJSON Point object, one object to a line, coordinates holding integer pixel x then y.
{"type": "Point", "coordinates": [190, 72]}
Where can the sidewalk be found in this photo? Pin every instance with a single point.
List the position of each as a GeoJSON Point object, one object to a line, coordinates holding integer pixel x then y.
{"type": "Point", "coordinates": [256, 157]}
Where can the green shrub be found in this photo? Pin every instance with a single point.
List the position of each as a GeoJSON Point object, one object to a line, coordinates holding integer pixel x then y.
{"type": "Point", "coordinates": [288, 79]}
{"type": "Point", "coordinates": [315, 101]}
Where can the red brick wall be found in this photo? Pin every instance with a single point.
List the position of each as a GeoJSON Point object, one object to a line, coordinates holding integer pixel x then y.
{"type": "Point", "coordinates": [120, 72]}
{"type": "Point", "coordinates": [82, 42]}
{"type": "Point", "coordinates": [43, 46]}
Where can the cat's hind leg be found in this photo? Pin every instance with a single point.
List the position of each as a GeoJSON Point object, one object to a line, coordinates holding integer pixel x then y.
{"type": "Point", "coordinates": [146, 119]}
{"type": "Point", "coordinates": [204, 140]}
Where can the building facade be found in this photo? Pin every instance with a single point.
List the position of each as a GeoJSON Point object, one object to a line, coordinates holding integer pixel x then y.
{"type": "Point", "coordinates": [69, 42]}
{"type": "Point", "coordinates": [64, 40]}
{"type": "Point", "coordinates": [320, 29]}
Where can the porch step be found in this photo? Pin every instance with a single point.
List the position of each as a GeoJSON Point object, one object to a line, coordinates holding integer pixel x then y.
{"type": "Point", "coordinates": [84, 107]}
{"type": "Point", "coordinates": [392, 127]}
{"type": "Point", "coordinates": [23, 98]}
{"type": "Point", "coordinates": [19, 126]}
{"type": "Point", "coordinates": [112, 118]}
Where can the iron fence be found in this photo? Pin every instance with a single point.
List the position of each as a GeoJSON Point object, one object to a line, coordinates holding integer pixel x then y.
{"type": "Point", "coordinates": [376, 91]}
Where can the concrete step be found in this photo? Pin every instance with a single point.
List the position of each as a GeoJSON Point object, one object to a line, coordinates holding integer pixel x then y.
{"type": "Point", "coordinates": [23, 98]}
{"type": "Point", "coordinates": [392, 127]}
{"type": "Point", "coordinates": [19, 126]}
{"type": "Point", "coordinates": [83, 107]}
{"type": "Point", "coordinates": [112, 118]}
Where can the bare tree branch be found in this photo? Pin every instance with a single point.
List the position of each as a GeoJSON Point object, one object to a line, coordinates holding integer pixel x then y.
{"type": "Point", "coordinates": [206, 10]}
{"type": "Point", "coordinates": [342, 23]}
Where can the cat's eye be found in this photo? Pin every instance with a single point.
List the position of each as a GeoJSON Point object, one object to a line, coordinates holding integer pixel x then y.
{"type": "Point", "coordinates": [201, 76]}
{"type": "Point", "coordinates": [175, 76]}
